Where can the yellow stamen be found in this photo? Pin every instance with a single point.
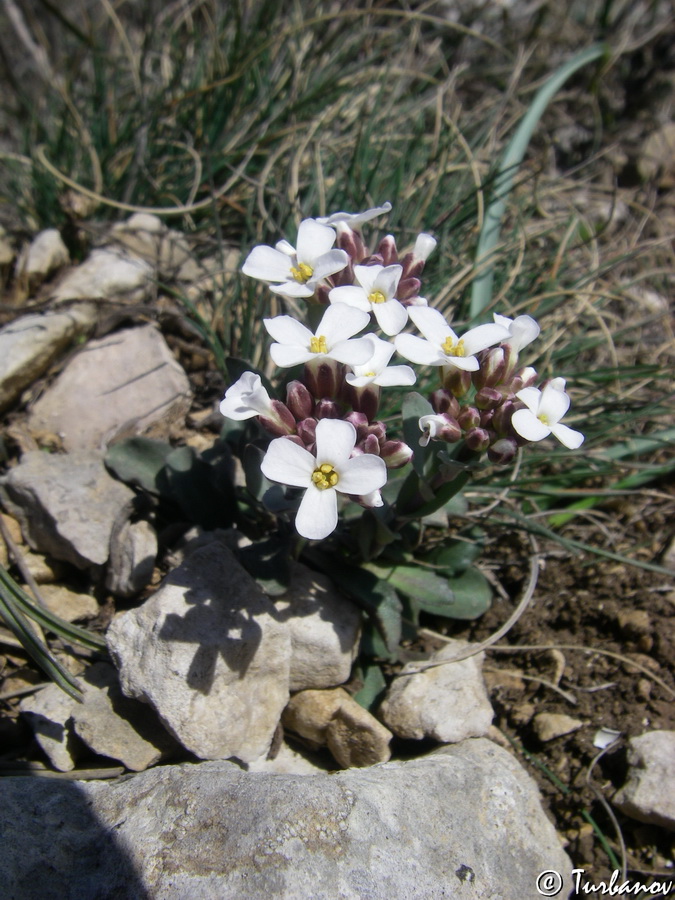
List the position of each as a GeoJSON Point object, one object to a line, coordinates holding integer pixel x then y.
{"type": "Point", "coordinates": [302, 273]}
{"type": "Point", "coordinates": [325, 476]}
{"type": "Point", "coordinates": [369, 374]}
{"type": "Point", "coordinates": [450, 348]}
{"type": "Point", "coordinates": [376, 297]}
{"type": "Point", "coordinates": [318, 344]}
{"type": "Point", "coordinates": [543, 418]}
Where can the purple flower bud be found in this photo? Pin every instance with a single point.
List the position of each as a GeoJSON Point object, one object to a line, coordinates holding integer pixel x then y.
{"type": "Point", "coordinates": [524, 378]}
{"type": "Point", "coordinates": [280, 421]}
{"type": "Point", "coordinates": [469, 417]}
{"type": "Point", "coordinates": [323, 377]}
{"type": "Point", "coordinates": [491, 369]}
{"type": "Point", "coordinates": [370, 444]}
{"type": "Point", "coordinates": [387, 250]}
{"type": "Point", "coordinates": [395, 454]}
{"type": "Point", "coordinates": [408, 288]}
{"type": "Point", "coordinates": [501, 421]}
{"type": "Point", "coordinates": [326, 409]}
{"type": "Point", "coordinates": [443, 402]}
{"type": "Point", "coordinates": [488, 398]}
{"type": "Point", "coordinates": [351, 242]}
{"type": "Point", "coordinates": [502, 451]}
{"type": "Point", "coordinates": [477, 440]}
{"type": "Point", "coordinates": [299, 400]}
{"type": "Point", "coordinates": [379, 429]}
{"type": "Point", "coordinates": [307, 432]}
{"type": "Point", "coordinates": [358, 420]}
{"type": "Point", "coordinates": [364, 399]}
{"type": "Point", "coordinates": [456, 381]}
{"type": "Point", "coordinates": [486, 418]}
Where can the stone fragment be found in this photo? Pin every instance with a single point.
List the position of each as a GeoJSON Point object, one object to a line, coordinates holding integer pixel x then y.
{"type": "Point", "coordinates": [548, 726]}
{"type": "Point", "coordinates": [649, 792]}
{"type": "Point", "coordinates": [447, 703]}
{"type": "Point", "coordinates": [107, 275]}
{"type": "Point", "coordinates": [118, 385]}
{"type": "Point", "coordinates": [44, 255]}
{"type": "Point", "coordinates": [288, 762]}
{"type": "Point", "coordinates": [463, 823]}
{"type": "Point", "coordinates": [657, 156]}
{"type": "Point", "coordinates": [133, 551]}
{"type": "Point", "coordinates": [208, 653]}
{"type": "Point", "coordinates": [29, 345]}
{"type": "Point", "coordinates": [325, 630]}
{"type": "Point", "coordinates": [69, 605]}
{"type": "Point", "coordinates": [334, 719]}
{"type": "Point", "coordinates": [113, 725]}
{"type": "Point", "coordinates": [48, 714]}
{"type": "Point", "coordinates": [44, 569]}
{"type": "Point", "coordinates": [146, 237]}
{"type": "Point", "coordinates": [66, 504]}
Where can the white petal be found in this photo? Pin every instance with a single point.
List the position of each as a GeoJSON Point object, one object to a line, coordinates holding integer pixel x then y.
{"type": "Point", "coordinates": [528, 425]}
{"type": "Point", "coordinates": [466, 363]}
{"type": "Point", "coordinates": [568, 436]}
{"type": "Point", "coordinates": [288, 330]}
{"type": "Point", "coordinates": [313, 240]}
{"type": "Point", "coordinates": [523, 330]}
{"type": "Point", "coordinates": [355, 219]}
{"type": "Point", "coordinates": [362, 474]}
{"type": "Point", "coordinates": [235, 409]}
{"type": "Point", "coordinates": [382, 353]}
{"type": "Point", "coordinates": [482, 337]}
{"type": "Point", "coordinates": [351, 295]}
{"type": "Point", "coordinates": [419, 351]}
{"type": "Point", "coordinates": [329, 264]}
{"type": "Point", "coordinates": [340, 322]}
{"type": "Point", "coordinates": [395, 375]}
{"type": "Point", "coordinates": [355, 352]}
{"type": "Point", "coordinates": [431, 323]}
{"type": "Point", "coordinates": [288, 463]}
{"type": "Point", "coordinates": [286, 248]}
{"type": "Point", "coordinates": [424, 246]}
{"type": "Point", "coordinates": [391, 316]}
{"type": "Point", "coordinates": [267, 264]}
{"type": "Point", "coordinates": [367, 276]}
{"type": "Point", "coordinates": [287, 355]}
{"type": "Point", "coordinates": [372, 500]}
{"type": "Point", "coordinates": [558, 383]}
{"type": "Point", "coordinates": [388, 279]}
{"type": "Point", "coordinates": [357, 380]}
{"type": "Point", "coordinates": [317, 515]}
{"type": "Point", "coordinates": [554, 403]}
{"type": "Point", "coordinates": [335, 441]}
{"type": "Point", "coordinates": [293, 289]}
{"type": "Point", "coordinates": [504, 321]}
{"type": "Point", "coordinates": [531, 397]}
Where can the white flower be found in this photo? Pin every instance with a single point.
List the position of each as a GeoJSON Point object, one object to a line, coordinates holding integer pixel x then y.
{"type": "Point", "coordinates": [544, 411]}
{"type": "Point", "coordinates": [377, 371]}
{"type": "Point", "coordinates": [522, 330]}
{"type": "Point", "coordinates": [330, 472]}
{"type": "Point", "coordinates": [296, 343]}
{"type": "Point", "coordinates": [246, 398]}
{"type": "Point", "coordinates": [424, 246]}
{"type": "Point", "coordinates": [297, 273]}
{"type": "Point", "coordinates": [441, 346]}
{"type": "Point", "coordinates": [354, 220]}
{"type": "Point", "coordinates": [375, 293]}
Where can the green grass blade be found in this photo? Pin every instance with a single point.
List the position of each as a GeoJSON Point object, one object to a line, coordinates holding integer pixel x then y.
{"type": "Point", "coordinates": [481, 292]}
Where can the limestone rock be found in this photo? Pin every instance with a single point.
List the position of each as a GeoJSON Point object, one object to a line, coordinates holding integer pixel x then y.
{"type": "Point", "coordinates": [122, 383]}
{"type": "Point", "coordinates": [463, 823]}
{"type": "Point", "coordinates": [133, 550]}
{"type": "Point", "coordinates": [548, 726]}
{"type": "Point", "coordinates": [334, 719]}
{"type": "Point", "coordinates": [44, 255]}
{"type": "Point", "coordinates": [447, 703]}
{"type": "Point", "coordinates": [649, 793]}
{"type": "Point", "coordinates": [289, 762]}
{"type": "Point", "coordinates": [107, 275]}
{"type": "Point", "coordinates": [29, 345]}
{"type": "Point", "coordinates": [325, 630]}
{"type": "Point", "coordinates": [113, 725]}
{"type": "Point", "coordinates": [48, 714]}
{"type": "Point", "coordinates": [208, 653]}
{"type": "Point", "coordinates": [146, 237]}
{"type": "Point", "coordinates": [69, 605]}
{"type": "Point", "coordinates": [66, 504]}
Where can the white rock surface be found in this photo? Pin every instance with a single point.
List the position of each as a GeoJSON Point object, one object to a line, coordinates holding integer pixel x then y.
{"type": "Point", "coordinates": [133, 550]}
{"type": "Point", "coordinates": [122, 383]}
{"type": "Point", "coordinates": [69, 605]}
{"type": "Point", "coordinates": [146, 237]}
{"type": "Point", "coordinates": [208, 652]}
{"type": "Point", "coordinates": [48, 713]}
{"type": "Point", "coordinates": [289, 762]}
{"type": "Point", "coordinates": [325, 630]}
{"type": "Point", "coordinates": [106, 274]}
{"type": "Point", "coordinates": [649, 792]}
{"type": "Point", "coordinates": [67, 504]}
{"type": "Point", "coordinates": [29, 345]}
{"type": "Point", "coordinates": [465, 823]}
{"type": "Point", "coordinates": [447, 703]}
{"type": "Point", "coordinates": [548, 726]}
{"type": "Point", "coordinates": [45, 253]}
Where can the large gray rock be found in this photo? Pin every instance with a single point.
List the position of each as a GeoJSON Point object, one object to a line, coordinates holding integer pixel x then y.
{"type": "Point", "coordinates": [67, 504]}
{"type": "Point", "coordinates": [649, 792]}
{"type": "Point", "coordinates": [208, 652]}
{"type": "Point", "coordinates": [29, 345]}
{"type": "Point", "coordinates": [122, 383]}
{"type": "Point", "coordinates": [108, 275]}
{"type": "Point", "coordinates": [465, 822]}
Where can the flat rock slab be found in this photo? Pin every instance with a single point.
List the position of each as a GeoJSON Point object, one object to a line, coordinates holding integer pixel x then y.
{"type": "Point", "coordinates": [465, 822]}
{"type": "Point", "coordinates": [120, 384]}
{"type": "Point", "coordinates": [29, 345]}
{"type": "Point", "coordinates": [209, 653]}
{"type": "Point", "coordinates": [67, 504]}
{"type": "Point", "coordinates": [649, 792]}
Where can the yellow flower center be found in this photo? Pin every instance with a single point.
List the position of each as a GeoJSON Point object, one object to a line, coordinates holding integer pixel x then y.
{"type": "Point", "coordinates": [452, 348]}
{"type": "Point", "coordinates": [369, 374]}
{"type": "Point", "coordinates": [325, 476]}
{"type": "Point", "coordinates": [376, 297]}
{"type": "Point", "coordinates": [318, 344]}
{"type": "Point", "coordinates": [302, 272]}
{"type": "Point", "coordinates": [543, 418]}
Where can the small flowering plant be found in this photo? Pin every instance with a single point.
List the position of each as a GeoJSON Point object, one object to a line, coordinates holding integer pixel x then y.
{"type": "Point", "coordinates": [322, 463]}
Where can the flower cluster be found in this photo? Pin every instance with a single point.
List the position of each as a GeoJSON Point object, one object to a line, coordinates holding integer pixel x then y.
{"type": "Point", "coordinates": [327, 438]}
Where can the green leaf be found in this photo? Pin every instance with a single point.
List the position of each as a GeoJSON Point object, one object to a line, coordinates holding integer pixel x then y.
{"type": "Point", "coordinates": [455, 556]}
{"type": "Point", "coordinates": [374, 685]}
{"type": "Point", "coordinates": [481, 293]}
{"type": "Point", "coordinates": [189, 481]}
{"type": "Point", "coordinates": [473, 595]}
{"type": "Point", "coordinates": [139, 461]}
{"type": "Point", "coordinates": [414, 407]}
{"type": "Point", "coordinates": [256, 483]}
{"type": "Point", "coordinates": [422, 585]}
